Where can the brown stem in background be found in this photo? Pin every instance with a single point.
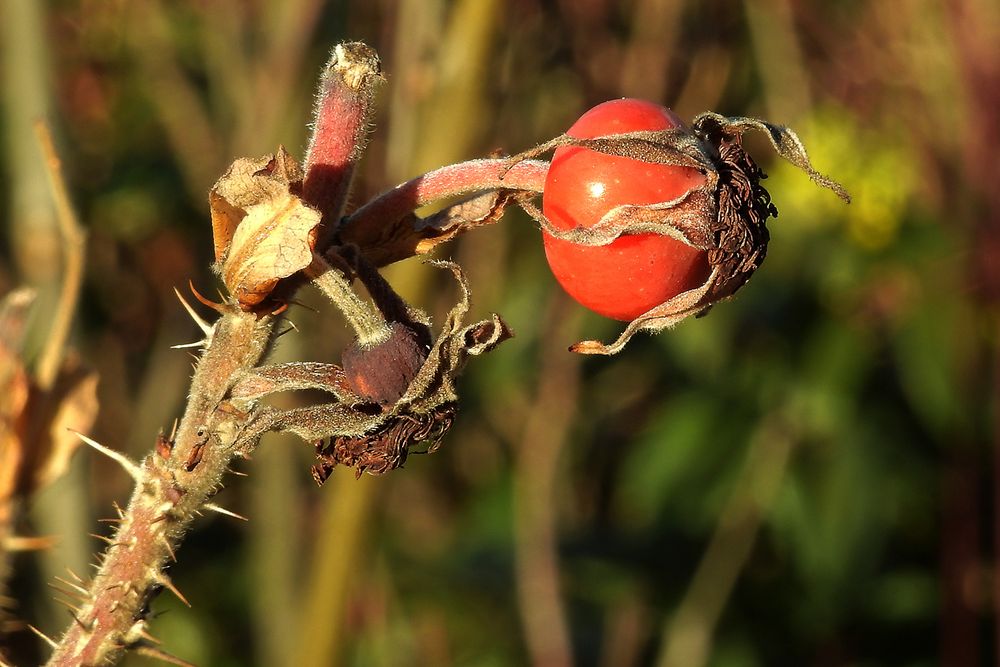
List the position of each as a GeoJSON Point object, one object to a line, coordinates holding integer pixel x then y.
{"type": "Point", "coordinates": [74, 239]}
{"type": "Point", "coordinates": [974, 31]}
{"type": "Point", "coordinates": [996, 504]}
{"type": "Point", "coordinates": [543, 617]}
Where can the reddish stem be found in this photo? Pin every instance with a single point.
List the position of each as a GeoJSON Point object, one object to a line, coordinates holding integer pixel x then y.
{"type": "Point", "coordinates": [340, 126]}
{"type": "Point", "coordinates": [453, 180]}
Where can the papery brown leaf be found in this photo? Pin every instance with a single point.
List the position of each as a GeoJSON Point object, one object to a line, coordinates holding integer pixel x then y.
{"type": "Point", "coordinates": [13, 423]}
{"type": "Point", "coordinates": [75, 412]}
{"type": "Point", "coordinates": [14, 391]}
{"type": "Point", "coordinates": [273, 241]}
{"type": "Point", "coordinates": [249, 182]}
{"type": "Point", "coordinates": [263, 231]}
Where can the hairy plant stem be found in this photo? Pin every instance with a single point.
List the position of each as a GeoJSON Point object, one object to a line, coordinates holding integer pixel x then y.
{"type": "Point", "coordinates": [368, 324]}
{"type": "Point", "coordinates": [455, 180]}
{"type": "Point", "coordinates": [173, 483]}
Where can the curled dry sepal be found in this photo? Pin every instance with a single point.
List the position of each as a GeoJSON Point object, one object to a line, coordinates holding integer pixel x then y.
{"type": "Point", "coordinates": [264, 231]}
{"type": "Point", "coordinates": [725, 216]}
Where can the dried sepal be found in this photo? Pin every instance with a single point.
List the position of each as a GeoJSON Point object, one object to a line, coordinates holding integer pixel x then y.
{"type": "Point", "coordinates": [714, 128]}
{"type": "Point", "coordinates": [476, 211]}
{"type": "Point", "coordinates": [264, 232]}
{"type": "Point", "coordinates": [412, 235]}
{"type": "Point", "coordinates": [725, 216]}
{"type": "Point", "coordinates": [387, 447]}
{"type": "Point", "coordinates": [365, 434]}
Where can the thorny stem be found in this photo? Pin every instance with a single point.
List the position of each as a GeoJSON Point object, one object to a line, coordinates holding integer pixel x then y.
{"type": "Point", "coordinates": [368, 324]}
{"type": "Point", "coordinates": [367, 222]}
{"type": "Point", "coordinates": [172, 486]}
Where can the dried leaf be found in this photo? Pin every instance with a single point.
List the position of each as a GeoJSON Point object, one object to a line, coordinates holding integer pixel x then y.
{"type": "Point", "coordinates": [249, 182]}
{"type": "Point", "coordinates": [75, 412]}
{"type": "Point", "coordinates": [273, 241]}
{"type": "Point", "coordinates": [263, 230]}
{"type": "Point", "coordinates": [14, 390]}
{"type": "Point", "coordinates": [35, 445]}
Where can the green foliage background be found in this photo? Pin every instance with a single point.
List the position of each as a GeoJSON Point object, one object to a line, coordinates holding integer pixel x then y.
{"type": "Point", "coordinates": [806, 476]}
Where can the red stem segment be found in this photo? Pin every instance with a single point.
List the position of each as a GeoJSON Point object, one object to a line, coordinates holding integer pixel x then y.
{"type": "Point", "coordinates": [340, 126]}
{"type": "Point", "coordinates": [456, 180]}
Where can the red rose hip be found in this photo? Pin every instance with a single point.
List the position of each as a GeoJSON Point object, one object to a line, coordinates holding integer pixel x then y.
{"type": "Point", "coordinates": [635, 272]}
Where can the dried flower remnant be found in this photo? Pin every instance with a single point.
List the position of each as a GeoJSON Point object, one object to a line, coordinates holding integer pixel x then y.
{"type": "Point", "coordinates": [264, 231]}
{"type": "Point", "coordinates": [369, 435]}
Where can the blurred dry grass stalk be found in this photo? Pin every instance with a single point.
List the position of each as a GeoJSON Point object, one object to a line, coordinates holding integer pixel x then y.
{"type": "Point", "coordinates": [227, 78]}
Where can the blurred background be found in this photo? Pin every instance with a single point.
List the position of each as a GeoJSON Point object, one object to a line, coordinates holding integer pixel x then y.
{"type": "Point", "coordinates": [804, 477]}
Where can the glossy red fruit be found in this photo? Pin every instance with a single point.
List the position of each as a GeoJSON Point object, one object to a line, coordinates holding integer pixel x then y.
{"type": "Point", "coordinates": [635, 273]}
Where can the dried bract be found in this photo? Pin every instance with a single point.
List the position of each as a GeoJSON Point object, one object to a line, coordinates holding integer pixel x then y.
{"type": "Point", "coordinates": [264, 232]}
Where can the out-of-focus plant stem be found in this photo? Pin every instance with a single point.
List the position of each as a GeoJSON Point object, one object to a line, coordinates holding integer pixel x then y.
{"type": "Point", "coordinates": [974, 29]}
{"type": "Point", "coordinates": [275, 536]}
{"type": "Point", "coordinates": [654, 29]}
{"type": "Point", "coordinates": [538, 453]}
{"type": "Point", "coordinates": [779, 58]}
{"type": "Point", "coordinates": [335, 569]}
{"type": "Point", "coordinates": [34, 230]}
{"type": "Point", "coordinates": [36, 249]}
{"type": "Point", "coordinates": [73, 241]}
{"type": "Point", "coordinates": [687, 635]}
{"type": "Point", "coordinates": [196, 143]}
